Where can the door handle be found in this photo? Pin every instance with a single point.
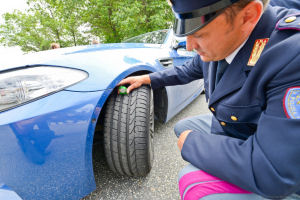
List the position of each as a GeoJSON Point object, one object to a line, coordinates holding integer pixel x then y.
{"type": "Point", "coordinates": [166, 62]}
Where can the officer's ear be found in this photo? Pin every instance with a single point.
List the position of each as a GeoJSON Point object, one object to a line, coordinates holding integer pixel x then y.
{"type": "Point", "coordinates": [250, 15]}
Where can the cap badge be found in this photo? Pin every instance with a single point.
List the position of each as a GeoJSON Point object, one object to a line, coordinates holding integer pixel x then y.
{"type": "Point", "coordinates": [257, 50]}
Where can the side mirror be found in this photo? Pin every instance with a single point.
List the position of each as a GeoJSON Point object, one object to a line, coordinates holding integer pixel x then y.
{"type": "Point", "coordinates": [181, 44]}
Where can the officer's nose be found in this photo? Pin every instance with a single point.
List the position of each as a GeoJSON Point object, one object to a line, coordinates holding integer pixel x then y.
{"type": "Point", "coordinates": [190, 43]}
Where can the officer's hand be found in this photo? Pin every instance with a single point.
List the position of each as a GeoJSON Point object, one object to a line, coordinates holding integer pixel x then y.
{"type": "Point", "coordinates": [182, 138]}
{"type": "Point", "coordinates": [135, 82]}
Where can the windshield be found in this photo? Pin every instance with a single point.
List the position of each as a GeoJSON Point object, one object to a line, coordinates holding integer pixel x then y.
{"type": "Point", "coordinates": [156, 37]}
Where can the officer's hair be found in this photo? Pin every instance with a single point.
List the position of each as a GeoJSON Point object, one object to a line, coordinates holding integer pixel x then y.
{"type": "Point", "coordinates": [232, 10]}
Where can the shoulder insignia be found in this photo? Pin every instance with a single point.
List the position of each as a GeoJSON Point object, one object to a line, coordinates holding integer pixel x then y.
{"type": "Point", "coordinates": [258, 48]}
{"type": "Point", "coordinates": [291, 103]}
{"type": "Point", "coordinates": [290, 22]}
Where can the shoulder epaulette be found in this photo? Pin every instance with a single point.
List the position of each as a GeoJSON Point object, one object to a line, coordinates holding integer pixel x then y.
{"type": "Point", "coordinates": [291, 22]}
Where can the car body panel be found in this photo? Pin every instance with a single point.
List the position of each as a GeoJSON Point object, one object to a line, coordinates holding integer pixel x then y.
{"type": "Point", "coordinates": [107, 58]}
{"type": "Point", "coordinates": [50, 151]}
{"type": "Point", "coordinates": [46, 143]}
{"type": "Point", "coordinates": [176, 104]}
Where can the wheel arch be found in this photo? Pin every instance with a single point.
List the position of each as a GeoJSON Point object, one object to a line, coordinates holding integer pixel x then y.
{"type": "Point", "coordinates": [160, 107]}
{"type": "Point", "coordinates": [160, 99]}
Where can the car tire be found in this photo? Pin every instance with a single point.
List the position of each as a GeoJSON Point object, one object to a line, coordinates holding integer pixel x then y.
{"type": "Point", "coordinates": [128, 132]}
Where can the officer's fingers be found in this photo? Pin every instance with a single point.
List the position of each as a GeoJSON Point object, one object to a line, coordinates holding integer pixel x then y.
{"type": "Point", "coordinates": [128, 80]}
{"type": "Point", "coordinates": [124, 81]}
{"type": "Point", "coordinates": [133, 86]}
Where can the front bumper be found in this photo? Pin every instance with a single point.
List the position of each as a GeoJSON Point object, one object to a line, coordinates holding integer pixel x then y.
{"type": "Point", "coordinates": [46, 146]}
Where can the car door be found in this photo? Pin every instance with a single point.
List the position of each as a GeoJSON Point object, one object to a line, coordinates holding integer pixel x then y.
{"type": "Point", "coordinates": [180, 96]}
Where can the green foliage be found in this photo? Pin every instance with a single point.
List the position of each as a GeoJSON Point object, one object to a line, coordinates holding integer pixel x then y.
{"type": "Point", "coordinates": [77, 22]}
{"type": "Point", "coordinates": [118, 20]}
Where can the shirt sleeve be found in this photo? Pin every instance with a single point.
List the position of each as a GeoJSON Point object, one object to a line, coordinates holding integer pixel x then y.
{"type": "Point", "coordinates": [178, 75]}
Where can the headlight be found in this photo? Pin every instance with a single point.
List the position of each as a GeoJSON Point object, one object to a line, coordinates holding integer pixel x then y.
{"type": "Point", "coordinates": [20, 86]}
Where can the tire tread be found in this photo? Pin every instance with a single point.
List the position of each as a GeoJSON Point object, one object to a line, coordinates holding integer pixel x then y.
{"type": "Point", "coordinates": [126, 132]}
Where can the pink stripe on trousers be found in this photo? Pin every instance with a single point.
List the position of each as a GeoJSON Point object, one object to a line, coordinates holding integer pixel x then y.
{"type": "Point", "coordinates": [210, 185]}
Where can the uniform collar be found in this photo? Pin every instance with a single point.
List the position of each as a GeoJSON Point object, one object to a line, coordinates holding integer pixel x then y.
{"type": "Point", "coordinates": [230, 58]}
{"type": "Point", "coordinates": [235, 76]}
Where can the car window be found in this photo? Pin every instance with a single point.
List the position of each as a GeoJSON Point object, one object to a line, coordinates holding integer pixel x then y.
{"type": "Point", "coordinates": [156, 37]}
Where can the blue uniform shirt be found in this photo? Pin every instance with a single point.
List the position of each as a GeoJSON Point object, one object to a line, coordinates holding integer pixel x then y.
{"type": "Point", "coordinates": [257, 104]}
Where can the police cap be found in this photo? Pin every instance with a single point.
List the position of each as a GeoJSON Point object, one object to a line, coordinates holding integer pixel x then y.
{"type": "Point", "coordinates": [192, 15]}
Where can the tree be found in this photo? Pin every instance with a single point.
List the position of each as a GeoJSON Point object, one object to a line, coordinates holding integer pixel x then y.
{"type": "Point", "coordinates": [76, 22]}
{"type": "Point", "coordinates": [114, 20]}
{"type": "Point", "coordinates": [45, 22]}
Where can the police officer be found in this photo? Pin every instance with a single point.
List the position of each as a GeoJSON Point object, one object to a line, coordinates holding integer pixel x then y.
{"type": "Point", "coordinates": [249, 57]}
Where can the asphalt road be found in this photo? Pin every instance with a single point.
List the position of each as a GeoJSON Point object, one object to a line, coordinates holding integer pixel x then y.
{"type": "Point", "coordinates": [161, 182]}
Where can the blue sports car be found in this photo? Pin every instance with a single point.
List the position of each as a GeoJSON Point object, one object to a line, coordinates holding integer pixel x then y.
{"type": "Point", "coordinates": [54, 105]}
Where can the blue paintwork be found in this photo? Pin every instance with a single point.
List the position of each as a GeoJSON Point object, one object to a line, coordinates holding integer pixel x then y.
{"type": "Point", "coordinates": [46, 144]}
{"type": "Point", "coordinates": [177, 104]}
{"type": "Point", "coordinates": [50, 149]}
